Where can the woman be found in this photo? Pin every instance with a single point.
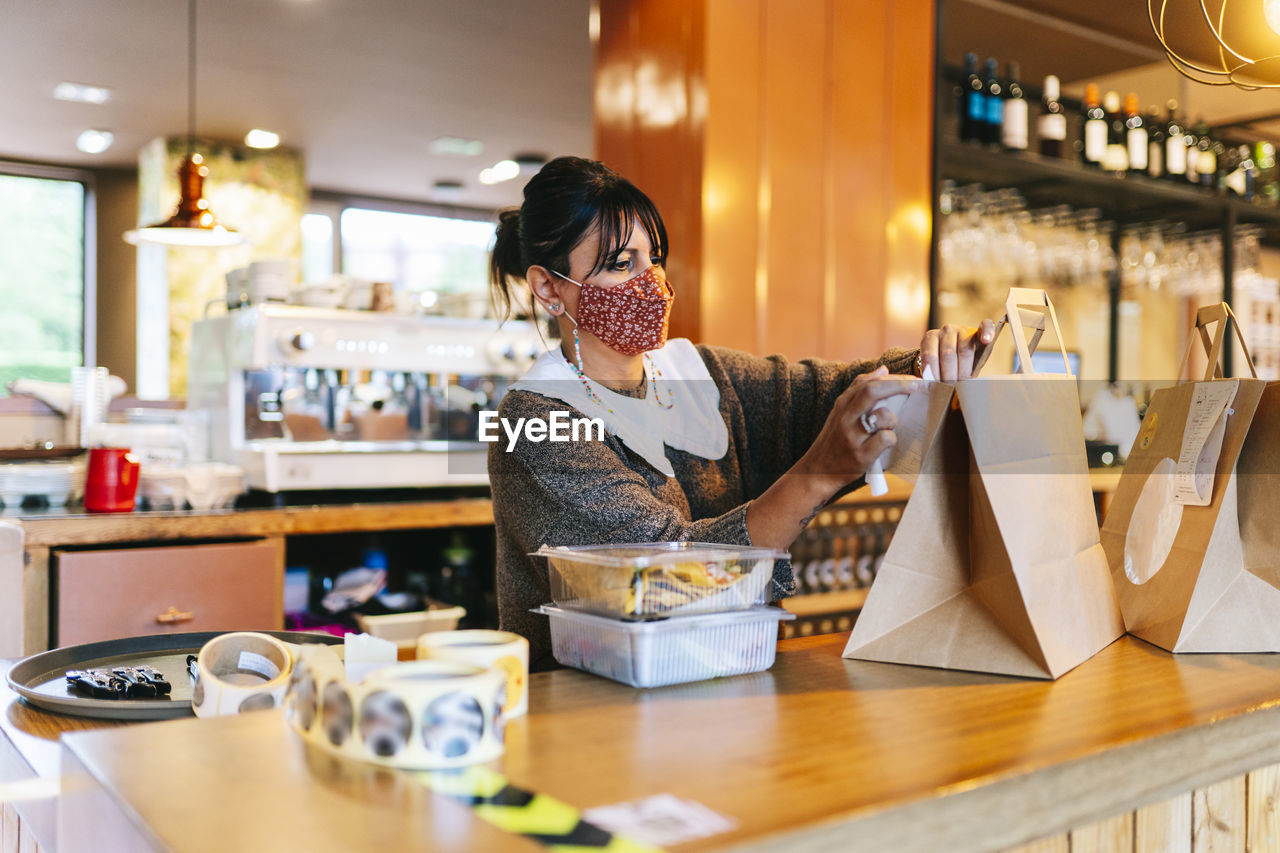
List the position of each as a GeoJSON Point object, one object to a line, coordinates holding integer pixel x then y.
{"type": "Point", "coordinates": [702, 443]}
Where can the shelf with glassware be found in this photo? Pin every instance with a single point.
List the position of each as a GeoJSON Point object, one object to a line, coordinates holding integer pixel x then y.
{"type": "Point", "coordinates": [1125, 256]}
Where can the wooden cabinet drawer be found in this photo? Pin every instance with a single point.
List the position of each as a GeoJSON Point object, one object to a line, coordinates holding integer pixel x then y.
{"type": "Point", "coordinates": [104, 594]}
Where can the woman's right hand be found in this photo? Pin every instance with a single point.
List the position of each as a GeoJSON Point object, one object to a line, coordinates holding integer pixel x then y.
{"type": "Point", "coordinates": [845, 449]}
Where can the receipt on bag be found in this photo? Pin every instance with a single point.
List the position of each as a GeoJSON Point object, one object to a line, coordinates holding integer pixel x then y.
{"type": "Point", "coordinates": [1202, 442]}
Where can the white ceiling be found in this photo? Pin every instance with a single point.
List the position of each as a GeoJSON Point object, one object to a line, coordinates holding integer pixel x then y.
{"type": "Point", "coordinates": [361, 87]}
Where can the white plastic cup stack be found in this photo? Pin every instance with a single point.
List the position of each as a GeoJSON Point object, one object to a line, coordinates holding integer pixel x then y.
{"type": "Point", "coordinates": [89, 397]}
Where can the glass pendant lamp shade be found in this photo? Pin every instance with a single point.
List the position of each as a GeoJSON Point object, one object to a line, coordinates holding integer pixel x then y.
{"type": "Point", "coordinates": [1221, 42]}
{"type": "Point", "coordinates": [192, 224]}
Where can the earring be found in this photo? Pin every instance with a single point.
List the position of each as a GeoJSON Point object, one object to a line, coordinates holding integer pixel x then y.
{"type": "Point", "coordinates": [555, 307]}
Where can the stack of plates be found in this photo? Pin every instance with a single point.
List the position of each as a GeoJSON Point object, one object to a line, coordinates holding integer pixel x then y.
{"type": "Point", "coordinates": [54, 482]}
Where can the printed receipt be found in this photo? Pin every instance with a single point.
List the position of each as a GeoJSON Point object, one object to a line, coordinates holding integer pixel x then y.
{"type": "Point", "coordinates": [1202, 441]}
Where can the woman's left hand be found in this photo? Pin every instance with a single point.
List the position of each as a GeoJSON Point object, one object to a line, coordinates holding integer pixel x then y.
{"type": "Point", "coordinates": [952, 351]}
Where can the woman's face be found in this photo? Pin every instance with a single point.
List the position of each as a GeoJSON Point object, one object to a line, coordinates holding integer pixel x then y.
{"type": "Point", "coordinates": [631, 260]}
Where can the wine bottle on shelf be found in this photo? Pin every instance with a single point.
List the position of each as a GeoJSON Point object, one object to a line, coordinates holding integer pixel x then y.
{"type": "Point", "coordinates": [973, 103]}
{"type": "Point", "coordinates": [1014, 127]}
{"type": "Point", "coordinates": [1116, 158]}
{"type": "Point", "coordinates": [1265, 187]}
{"type": "Point", "coordinates": [1225, 160]}
{"type": "Point", "coordinates": [1155, 144]}
{"type": "Point", "coordinates": [1094, 147]}
{"type": "Point", "coordinates": [994, 92]}
{"type": "Point", "coordinates": [1206, 161]}
{"type": "Point", "coordinates": [1175, 146]}
{"type": "Point", "coordinates": [1190, 141]}
{"type": "Point", "coordinates": [1051, 127]}
{"type": "Point", "coordinates": [1136, 136]}
{"type": "Point", "coordinates": [1239, 171]}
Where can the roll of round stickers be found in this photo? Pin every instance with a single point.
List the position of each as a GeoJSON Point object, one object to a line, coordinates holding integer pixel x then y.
{"type": "Point", "coordinates": [428, 715]}
{"type": "Point", "coordinates": [502, 650]}
{"type": "Point", "coordinates": [239, 672]}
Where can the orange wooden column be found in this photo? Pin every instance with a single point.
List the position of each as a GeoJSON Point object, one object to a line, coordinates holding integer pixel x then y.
{"type": "Point", "coordinates": [788, 147]}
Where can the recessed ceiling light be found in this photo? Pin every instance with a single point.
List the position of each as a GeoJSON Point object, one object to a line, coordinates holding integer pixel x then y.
{"type": "Point", "coordinates": [530, 162]}
{"type": "Point", "coordinates": [446, 191]}
{"type": "Point", "coordinates": [81, 92]}
{"type": "Point", "coordinates": [456, 146]}
{"type": "Point", "coordinates": [95, 141]}
{"type": "Point", "coordinates": [503, 170]}
{"type": "Point", "coordinates": [261, 139]}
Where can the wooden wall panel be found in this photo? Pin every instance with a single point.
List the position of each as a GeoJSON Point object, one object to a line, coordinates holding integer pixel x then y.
{"type": "Point", "coordinates": [910, 144]}
{"type": "Point", "coordinates": [859, 180]}
{"type": "Point", "coordinates": [794, 137]}
{"type": "Point", "coordinates": [732, 189]}
{"type": "Point", "coordinates": [796, 181]}
{"type": "Point", "coordinates": [648, 119]}
{"type": "Point", "coordinates": [1114, 835]}
{"type": "Point", "coordinates": [1218, 818]}
{"type": "Point", "coordinates": [1164, 827]}
{"type": "Point", "coordinates": [1263, 809]}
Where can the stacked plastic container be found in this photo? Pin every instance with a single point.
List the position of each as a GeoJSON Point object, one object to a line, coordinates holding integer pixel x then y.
{"type": "Point", "coordinates": [663, 612]}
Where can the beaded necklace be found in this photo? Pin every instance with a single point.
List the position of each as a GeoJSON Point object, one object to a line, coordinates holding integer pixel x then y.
{"type": "Point", "coordinates": [654, 375]}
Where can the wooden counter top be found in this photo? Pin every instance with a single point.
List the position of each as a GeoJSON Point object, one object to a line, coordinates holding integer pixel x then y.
{"type": "Point", "coordinates": [817, 752]}
{"type": "Point", "coordinates": [88, 529]}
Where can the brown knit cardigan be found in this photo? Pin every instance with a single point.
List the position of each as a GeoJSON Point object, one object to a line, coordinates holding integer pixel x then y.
{"type": "Point", "coordinates": [587, 492]}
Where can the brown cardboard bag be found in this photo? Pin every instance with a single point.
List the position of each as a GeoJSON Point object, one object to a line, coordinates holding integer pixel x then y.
{"type": "Point", "coordinates": [1196, 561]}
{"type": "Point", "coordinates": [997, 565]}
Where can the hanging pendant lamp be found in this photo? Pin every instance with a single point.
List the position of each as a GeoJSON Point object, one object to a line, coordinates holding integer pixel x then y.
{"type": "Point", "coordinates": [192, 224]}
{"type": "Point", "coordinates": [1221, 42]}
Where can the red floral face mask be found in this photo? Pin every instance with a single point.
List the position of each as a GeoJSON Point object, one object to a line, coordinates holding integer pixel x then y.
{"type": "Point", "coordinates": [631, 317]}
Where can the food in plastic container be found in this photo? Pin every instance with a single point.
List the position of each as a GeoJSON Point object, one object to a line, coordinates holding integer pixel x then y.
{"type": "Point", "coordinates": [666, 651]}
{"type": "Point", "coordinates": [659, 578]}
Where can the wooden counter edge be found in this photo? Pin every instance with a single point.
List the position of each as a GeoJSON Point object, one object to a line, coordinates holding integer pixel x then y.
{"type": "Point", "coordinates": [337, 518]}
{"type": "Point", "coordinates": [975, 816]}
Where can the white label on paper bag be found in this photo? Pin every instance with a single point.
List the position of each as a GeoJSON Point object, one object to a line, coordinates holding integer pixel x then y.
{"type": "Point", "coordinates": [252, 662]}
{"type": "Point", "coordinates": [1202, 442]}
{"type": "Point", "coordinates": [1153, 525]}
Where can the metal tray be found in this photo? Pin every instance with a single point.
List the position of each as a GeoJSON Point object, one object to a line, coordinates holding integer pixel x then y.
{"type": "Point", "coordinates": [41, 678]}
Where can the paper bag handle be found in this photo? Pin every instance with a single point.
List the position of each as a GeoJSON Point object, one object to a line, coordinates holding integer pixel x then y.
{"type": "Point", "coordinates": [1027, 306]}
{"type": "Point", "coordinates": [1220, 314]}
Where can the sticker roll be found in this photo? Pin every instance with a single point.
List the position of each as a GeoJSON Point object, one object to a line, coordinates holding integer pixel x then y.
{"type": "Point", "coordinates": [502, 650]}
{"type": "Point", "coordinates": [428, 715]}
{"type": "Point", "coordinates": [239, 672]}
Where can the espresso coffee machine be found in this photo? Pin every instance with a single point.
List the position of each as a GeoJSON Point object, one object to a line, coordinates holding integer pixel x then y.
{"type": "Point", "coordinates": [318, 398]}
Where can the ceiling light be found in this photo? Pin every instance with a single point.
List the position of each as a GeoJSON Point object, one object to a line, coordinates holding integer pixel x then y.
{"type": "Point", "coordinates": [95, 141]}
{"type": "Point", "coordinates": [261, 139]}
{"type": "Point", "coordinates": [192, 224]}
{"type": "Point", "coordinates": [503, 170]}
{"type": "Point", "coordinates": [530, 163]}
{"type": "Point", "coordinates": [1210, 43]}
{"type": "Point", "coordinates": [447, 191]}
{"type": "Point", "coordinates": [82, 92]}
{"type": "Point", "coordinates": [456, 146]}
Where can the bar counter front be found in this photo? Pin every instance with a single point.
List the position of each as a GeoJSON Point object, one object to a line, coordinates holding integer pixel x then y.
{"type": "Point", "coordinates": [1136, 749]}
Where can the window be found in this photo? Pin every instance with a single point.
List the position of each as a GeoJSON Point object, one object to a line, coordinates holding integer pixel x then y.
{"type": "Point", "coordinates": [45, 283]}
{"type": "Point", "coordinates": [440, 261]}
{"type": "Point", "coordinates": [435, 256]}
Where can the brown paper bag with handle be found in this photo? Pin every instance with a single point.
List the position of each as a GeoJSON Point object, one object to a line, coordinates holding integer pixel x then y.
{"type": "Point", "coordinates": [997, 566]}
{"type": "Point", "coordinates": [1191, 534]}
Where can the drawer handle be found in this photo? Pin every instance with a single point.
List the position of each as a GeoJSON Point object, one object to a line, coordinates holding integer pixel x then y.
{"type": "Point", "coordinates": [173, 616]}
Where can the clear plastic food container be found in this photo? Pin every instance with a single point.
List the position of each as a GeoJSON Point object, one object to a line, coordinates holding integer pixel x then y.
{"type": "Point", "coordinates": [659, 578]}
{"type": "Point", "coordinates": [666, 651]}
